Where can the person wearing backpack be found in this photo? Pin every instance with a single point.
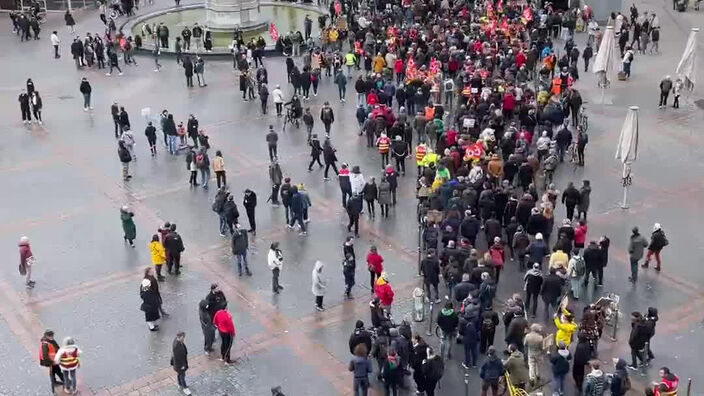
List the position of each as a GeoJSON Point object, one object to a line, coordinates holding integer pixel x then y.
{"type": "Point", "coordinates": [218, 207]}
{"type": "Point", "coordinates": [391, 373]}
{"type": "Point", "coordinates": [433, 369]}
{"type": "Point", "coordinates": [620, 382]}
{"type": "Point", "coordinates": [125, 158]}
{"type": "Point", "coordinates": [47, 353]}
{"type": "Point", "coordinates": [576, 268]}
{"type": "Point", "coordinates": [203, 165]}
{"type": "Point", "coordinates": [560, 361]}
{"type": "Point", "coordinates": [490, 372]}
{"type": "Point", "coordinates": [488, 320]}
{"type": "Point", "coordinates": [658, 241]}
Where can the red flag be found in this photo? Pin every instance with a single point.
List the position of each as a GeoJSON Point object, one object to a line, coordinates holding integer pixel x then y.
{"type": "Point", "coordinates": [473, 152]}
{"type": "Point", "coordinates": [504, 24]}
{"type": "Point", "coordinates": [527, 15]}
{"type": "Point", "coordinates": [273, 32]}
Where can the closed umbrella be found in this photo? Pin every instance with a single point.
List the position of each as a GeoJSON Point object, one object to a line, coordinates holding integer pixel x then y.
{"type": "Point", "coordinates": [687, 64]}
{"type": "Point", "coordinates": [603, 65]}
{"type": "Point", "coordinates": [627, 149]}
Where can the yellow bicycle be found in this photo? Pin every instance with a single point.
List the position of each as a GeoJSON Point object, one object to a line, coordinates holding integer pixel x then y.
{"type": "Point", "coordinates": [506, 387]}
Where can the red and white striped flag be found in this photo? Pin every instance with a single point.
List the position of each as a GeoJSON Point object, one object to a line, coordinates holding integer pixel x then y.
{"type": "Point", "coordinates": [273, 32]}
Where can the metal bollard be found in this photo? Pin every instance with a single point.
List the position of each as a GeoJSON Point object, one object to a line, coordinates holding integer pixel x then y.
{"type": "Point", "coordinates": [466, 382]}
{"type": "Point", "coordinates": [430, 320]}
{"type": "Point", "coordinates": [418, 304]}
{"type": "Point", "coordinates": [419, 247]}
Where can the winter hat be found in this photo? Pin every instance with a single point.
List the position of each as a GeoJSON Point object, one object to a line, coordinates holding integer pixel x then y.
{"type": "Point", "coordinates": [389, 169]}
{"type": "Point", "coordinates": [656, 227]}
{"type": "Point", "coordinates": [536, 265]}
{"type": "Point", "coordinates": [539, 236]}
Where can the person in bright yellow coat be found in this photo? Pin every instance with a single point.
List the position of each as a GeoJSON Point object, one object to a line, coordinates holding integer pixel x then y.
{"type": "Point", "coordinates": [430, 158]}
{"type": "Point", "coordinates": [559, 259]}
{"type": "Point", "coordinates": [158, 255]}
{"type": "Point", "coordinates": [565, 328]}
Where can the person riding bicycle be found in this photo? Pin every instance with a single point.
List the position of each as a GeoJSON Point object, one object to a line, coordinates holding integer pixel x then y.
{"type": "Point", "coordinates": [295, 106]}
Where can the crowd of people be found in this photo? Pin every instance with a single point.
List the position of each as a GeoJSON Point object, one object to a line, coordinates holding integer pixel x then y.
{"type": "Point", "coordinates": [477, 97]}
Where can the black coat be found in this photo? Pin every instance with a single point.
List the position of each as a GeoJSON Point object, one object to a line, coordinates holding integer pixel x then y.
{"type": "Point", "coordinates": [593, 257]}
{"type": "Point", "coordinates": [552, 287]}
{"type": "Point", "coordinates": [430, 268]}
{"type": "Point", "coordinates": [179, 360]}
{"type": "Point", "coordinates": [173, 243]}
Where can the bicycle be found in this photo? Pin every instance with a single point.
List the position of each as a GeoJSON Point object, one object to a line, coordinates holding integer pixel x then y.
{"type": "Point", "coordinates": [290, 119]}
{"type": "Point", "coordinates": [505, 385]}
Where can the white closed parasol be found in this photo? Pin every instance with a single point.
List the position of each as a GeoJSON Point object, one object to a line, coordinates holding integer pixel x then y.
{"type": "Point", "coordinates": [627, 149]}
{"type": "Point", "coordinates": [687, 65]}
{"type": "Point", "coordinates": [604, 63]}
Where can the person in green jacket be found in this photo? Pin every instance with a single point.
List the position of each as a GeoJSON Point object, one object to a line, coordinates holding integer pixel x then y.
{"type": "Point", "coordinates": [128, 226]}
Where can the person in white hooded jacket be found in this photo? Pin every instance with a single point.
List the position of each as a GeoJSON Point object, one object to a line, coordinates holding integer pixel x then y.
{"type": "Point", "coordinates": [68, 359]}
{"type": "Point", "coordinates": [357, 181]}
{"type": "Point", "coordinates": [319, 285]}
{"type": "Point", "coordinates": [275, 260]}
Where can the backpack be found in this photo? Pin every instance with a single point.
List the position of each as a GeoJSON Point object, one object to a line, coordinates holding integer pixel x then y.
{"type": "Point", "coordinates": [584, 137]}
{"type": "Point", "coordinates": [200, 161]}
{"type": "Point", "coordinates": [218, 205]}
{"type": "Point", "coordinates": [488, 325]}
{"type": "Point", "coordinates": [579, 266]}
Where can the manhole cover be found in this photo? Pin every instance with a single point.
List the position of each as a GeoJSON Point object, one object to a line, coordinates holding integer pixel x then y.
{"type": "Point", "coordinates": [699, 103]}
{"type": "Point", "coordinates": [64, 97]}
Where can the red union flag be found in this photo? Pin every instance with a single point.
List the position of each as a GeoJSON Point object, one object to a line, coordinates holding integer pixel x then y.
{"type": "Point", "coordinates": [273, 32]}
{"type": "Point", "coordinates": [473, 152]}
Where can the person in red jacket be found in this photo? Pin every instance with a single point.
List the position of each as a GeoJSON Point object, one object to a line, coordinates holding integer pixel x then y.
{"type": "Point", "coordinates": [375, 265]}
{"type": "Point", "coordinates": [398, 69]}
{"type": "Point", "coordinates": [384, 292]}
{"type": "Point", "coordinates": [509, 104]}
{"type": "Point", "coordinates": [667, 386]}
{"type": "Point", "coordinates": [222, 320]}
{"type": "Point", "coordinates": [580, 235]}
{"type": "Point", "coordinates": [498, 256]}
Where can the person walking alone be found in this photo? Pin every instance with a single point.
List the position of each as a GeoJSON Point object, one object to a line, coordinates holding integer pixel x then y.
{"type": "Point", "coordinates": [128, 227]}
{"type": "Point", "coordinates": [151, 300]}
{"type": "Point", "coordinates": [250, 203]}
{"type": "Point", "coordinates": [272, 140]}
{"type": "Point", "coordinates": [327, 117]}
{"type": "Point", "coordinates": [275, 260]}
{"type": "Point", "coordinates": [86, 91]}
{"type": "Point", "coordinates": [240, 245]}
{"type": "Point", "coordinates": [179, 361]}
{"type": "Point", "coordinates": [27, 261]}
{"type": "Point", "coordinates": [658, 241]}
{"type": "Point", "coordinates": [55, 43]}
{"type": "Point", "coordinates": [636, 247]}
{"type": "Point", "coordinates": [319, 285]}
{"type": "Point", "coordinates": [665, 88]}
